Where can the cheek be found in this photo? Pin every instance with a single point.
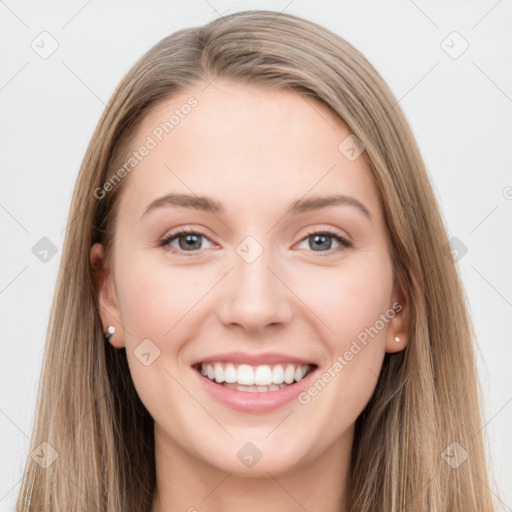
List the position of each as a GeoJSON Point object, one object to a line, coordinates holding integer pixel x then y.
{"type": "Point", "coordinates": [348, 299]}
{"type": "Point", "coordinates": [351, 306]}
{"type": "Point", "coordinates": [154, 302]}
{"type": "Point", "coordinates": [154, 297]}
{"type": "Point", "coordinates": [355, 304]}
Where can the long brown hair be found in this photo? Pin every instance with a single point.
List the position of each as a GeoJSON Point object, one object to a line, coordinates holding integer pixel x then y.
{"type": "Point", "coordinates": [427, 396]}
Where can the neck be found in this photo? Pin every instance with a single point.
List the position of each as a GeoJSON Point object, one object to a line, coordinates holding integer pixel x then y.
{"type": "Point", "coordinates": [189, 484]}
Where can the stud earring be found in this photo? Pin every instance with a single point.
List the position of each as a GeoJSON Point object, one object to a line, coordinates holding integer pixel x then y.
{"type": "Point", "coordinates": [397, 338]}
{"type": "Point", "coordinates": [109, 331]}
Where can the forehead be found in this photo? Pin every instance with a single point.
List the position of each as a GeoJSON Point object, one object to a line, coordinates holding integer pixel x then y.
{"type": "Point", "coordinates": [249, 146]}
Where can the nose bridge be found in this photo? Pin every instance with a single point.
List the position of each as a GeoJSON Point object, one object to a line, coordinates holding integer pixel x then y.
{"type": "Point", "coordinates": [255, 296]}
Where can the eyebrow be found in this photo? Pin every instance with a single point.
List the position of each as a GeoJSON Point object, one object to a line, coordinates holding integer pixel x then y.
{"type": "Point", "coordinates": [210, 205]}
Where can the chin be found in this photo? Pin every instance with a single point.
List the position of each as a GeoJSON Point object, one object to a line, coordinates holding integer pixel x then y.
{"type": "Point", "coordinates": [258, 458]}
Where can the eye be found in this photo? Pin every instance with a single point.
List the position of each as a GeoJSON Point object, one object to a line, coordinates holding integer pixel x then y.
{"type": "Point", "coordinates": [323, 240]}
{"type": "Point", "coordinates": [187, 240]}
{"type": "Point", "coordinates": [191, 241]}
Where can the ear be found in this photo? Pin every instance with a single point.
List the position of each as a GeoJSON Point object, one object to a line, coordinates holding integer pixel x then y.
{"type": "Point", "coordinates": [105, 289]}
{"type": "Point", "coordinates": [399, 325]}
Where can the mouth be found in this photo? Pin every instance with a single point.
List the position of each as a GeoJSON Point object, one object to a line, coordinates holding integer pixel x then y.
{"type": "Point", "coordinates": [254, 379]}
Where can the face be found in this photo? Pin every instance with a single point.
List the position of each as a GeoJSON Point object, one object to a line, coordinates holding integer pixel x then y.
{"type": "Point", "coordinates": [248, 273]}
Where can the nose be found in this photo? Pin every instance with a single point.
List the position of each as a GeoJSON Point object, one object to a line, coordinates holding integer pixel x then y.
{"type": "Point", "coordinates": [255, 296]}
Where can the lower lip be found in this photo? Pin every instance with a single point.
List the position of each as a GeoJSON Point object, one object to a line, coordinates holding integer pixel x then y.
{"type": "Point", "coordinates": [259, 402]}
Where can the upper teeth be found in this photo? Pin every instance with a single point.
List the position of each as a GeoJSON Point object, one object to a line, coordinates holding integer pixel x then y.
{"type": "Point", "coordinates": [263, 375]}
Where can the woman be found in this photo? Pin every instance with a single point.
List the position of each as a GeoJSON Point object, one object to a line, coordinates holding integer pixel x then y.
{"type": "Point", "coordinates": [257, 307]}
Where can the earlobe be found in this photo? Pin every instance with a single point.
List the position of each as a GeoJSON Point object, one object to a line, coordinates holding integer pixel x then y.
{"type": "Point", "coordinates": [397, 335]}
{"type": "Point", "coordinates": [397, 344]}
{"type": "Point", "coordinates": [105, 290]}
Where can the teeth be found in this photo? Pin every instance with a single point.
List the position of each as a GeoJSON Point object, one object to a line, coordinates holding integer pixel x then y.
{"type": "Point", "coordinates": [254, 389]}
{"type": "Point", "coordinates": [263, 375]}
{"type": "Point", "coordinates": [245, 375]}
{"type": "Point", "coordinates": [261, 378]}
{"type": "Point", "coordinates": [278, 374]}
{"type": "Point", "coordinates": [289, 374]}
{"type": "Point", "coordinates": [219, 373]}
{"type": "Point", "coordinates": [229, 373]}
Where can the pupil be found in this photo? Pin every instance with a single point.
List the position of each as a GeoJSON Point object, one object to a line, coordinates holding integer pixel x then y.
{"type": "Point", "coordinates": [318, 238]}
{"type": "Point", "coordinates": [190, 240]}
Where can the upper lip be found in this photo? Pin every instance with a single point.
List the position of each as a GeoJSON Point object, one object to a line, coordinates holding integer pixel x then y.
{"type": "Point", "coordinates": [253, 359]}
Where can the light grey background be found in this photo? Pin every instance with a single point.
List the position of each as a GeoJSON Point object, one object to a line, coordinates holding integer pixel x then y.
{"type": "Point", "coordinates": [459, 108]}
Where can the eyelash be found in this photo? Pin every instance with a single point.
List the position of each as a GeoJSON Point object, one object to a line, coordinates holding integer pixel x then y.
{"type": "Point", "coordinates": [344, 242]}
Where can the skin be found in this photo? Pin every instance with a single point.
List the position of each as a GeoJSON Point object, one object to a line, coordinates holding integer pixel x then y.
{"type": "Point", "coordinates": [255, 151]}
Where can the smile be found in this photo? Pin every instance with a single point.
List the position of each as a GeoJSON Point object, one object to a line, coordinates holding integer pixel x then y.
{"type": "Point", "coordinates": [254, 379]}
{"type": "Point", "coordinates": [254, 383]}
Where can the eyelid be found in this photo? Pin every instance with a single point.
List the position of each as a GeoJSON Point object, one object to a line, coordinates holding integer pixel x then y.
{"type": "Point", "coordinates": [326, 231]}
